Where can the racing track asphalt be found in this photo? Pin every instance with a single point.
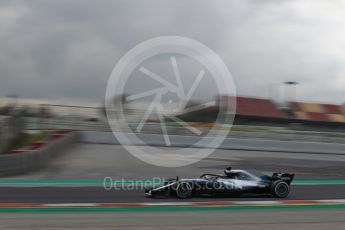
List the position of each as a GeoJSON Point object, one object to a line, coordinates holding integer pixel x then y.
{"type": "Point", "coordinates": [92, 161]}
{"type": "Point", "coordinates": [100, 195]}
{"type": "Point", "coordinates": [220, 220]}
{"type": "Point", "coordinates": [96, 161]}
{"type": "Point", "coordinates": [99, 161]}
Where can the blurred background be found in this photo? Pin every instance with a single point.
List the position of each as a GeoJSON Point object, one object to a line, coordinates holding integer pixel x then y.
{"type": "Point", "coordinates": [287, 61]}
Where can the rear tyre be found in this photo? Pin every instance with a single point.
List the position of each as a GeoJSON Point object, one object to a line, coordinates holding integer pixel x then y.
{"type": "Point", "coordinates": [280, 189]}
{"type": "Point", "coordinates": [184, 190]}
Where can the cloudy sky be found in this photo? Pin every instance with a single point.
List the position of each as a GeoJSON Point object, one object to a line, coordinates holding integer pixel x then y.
{"type": "Point", "coordinates": [66, 49]}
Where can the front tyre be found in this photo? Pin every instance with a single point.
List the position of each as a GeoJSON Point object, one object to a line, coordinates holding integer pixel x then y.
{"type": "Point", "coordinates": [280, 189]}
{"type": "Point", "coordinates": [184, 190]}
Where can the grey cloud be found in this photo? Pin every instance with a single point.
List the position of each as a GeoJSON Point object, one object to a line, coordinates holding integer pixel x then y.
{"type": "Point", "coordinates": [67, 49]}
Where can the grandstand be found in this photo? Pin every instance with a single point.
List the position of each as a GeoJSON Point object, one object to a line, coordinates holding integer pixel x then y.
{"type": "Point", "coordinates": [254, 107]}
{"type": "Point", "coordinates": [318, 112]}
{"type": "Point", "coordinates": [256, 111]}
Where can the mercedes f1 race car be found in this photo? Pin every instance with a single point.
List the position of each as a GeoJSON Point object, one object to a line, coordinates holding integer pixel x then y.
{"type": "Point", "coordinates": [233, 182]}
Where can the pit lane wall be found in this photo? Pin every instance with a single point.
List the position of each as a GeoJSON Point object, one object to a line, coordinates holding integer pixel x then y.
{"type": "Point", "coordinates": [250, 144]}
{"type": "Point", "coordinates": [21, 162]}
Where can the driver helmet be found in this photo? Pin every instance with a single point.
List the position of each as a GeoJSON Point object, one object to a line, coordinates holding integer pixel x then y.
{"type": "Point", "coordinates": [227, 171]}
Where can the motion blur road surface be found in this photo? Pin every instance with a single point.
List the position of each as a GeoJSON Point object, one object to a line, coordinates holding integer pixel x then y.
{"type": "Point", "coordinates": [97, 161]}
{"type": "Point", "coordinates": [221, 220]}
{"type": "Point", "coordinates": [100, 195]}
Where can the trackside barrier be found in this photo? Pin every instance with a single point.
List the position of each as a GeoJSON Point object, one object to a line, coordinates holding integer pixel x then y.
{"type": "Point", "coordinates": [20, 161]}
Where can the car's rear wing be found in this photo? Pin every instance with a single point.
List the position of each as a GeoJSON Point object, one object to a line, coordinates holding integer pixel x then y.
{"type": "Point", "coordinates": [287, 177]}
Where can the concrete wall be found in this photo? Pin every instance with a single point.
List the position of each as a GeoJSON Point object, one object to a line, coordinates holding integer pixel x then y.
{"type": "Point", "coordinates": [35, 159]}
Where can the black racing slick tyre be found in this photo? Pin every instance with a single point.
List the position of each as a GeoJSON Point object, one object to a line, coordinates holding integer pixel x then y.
{"type": "Point", "coordinates": [280, 189]}
{"type": "Point", "coordinates": [184, 190]}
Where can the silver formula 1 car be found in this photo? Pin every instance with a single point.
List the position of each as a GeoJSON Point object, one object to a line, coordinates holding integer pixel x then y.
{"type": "Point", "coordinates": [233, 182]}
